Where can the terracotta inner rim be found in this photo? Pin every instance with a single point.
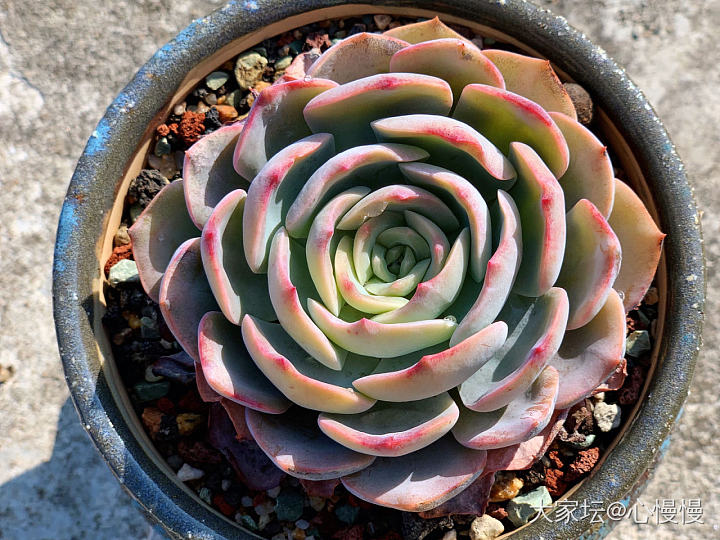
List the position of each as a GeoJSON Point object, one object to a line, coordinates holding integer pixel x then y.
{"type": "Point", "coordinates": [608, 133]}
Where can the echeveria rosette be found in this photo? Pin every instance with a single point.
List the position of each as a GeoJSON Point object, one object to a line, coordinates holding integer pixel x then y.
{"type": "Point", "coordinates": [404, 267]}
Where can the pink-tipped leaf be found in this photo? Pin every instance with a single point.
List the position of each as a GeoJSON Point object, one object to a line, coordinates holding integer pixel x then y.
{"type": "Point", "coordinates": [423, 31]}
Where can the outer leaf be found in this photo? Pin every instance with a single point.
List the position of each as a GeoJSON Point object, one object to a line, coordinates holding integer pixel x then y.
{"type": "Point", "coordinates": [542, 213]}
{"type": "Point", "coordinates": [472, 500]}
{"type": "Point", "coordinates": [303, 380]}
{"type": "Point", "coordinates": [357, 56]}
{"type": "Point", "coordinates": [452, 145]}
{"type": "Point", "coordinates": [207, 394]}
{"type": "Point", "coordinates": [454, 60]}
{"type": "Point", "coordinates": [321, 243]}
{"type": "Point", "coordinates": [399, 197]}
{"type": "Point", "coordinates": [502, 268]}
{"type": "Point", "coordinates": [208, 173]}
{"type": "Point", "coordinates": [591, 262]}
{"type": "Point", "coordinates": [505, 117]}
{"type": "Point", "coordinates": [392, 430]}
{"type": "Point", "coordinates": [295, 444]}
{"type": "Point", "coordinates": [275, 121]}
{"type": "Point", "coordinates": [590, 173]}
{"type": "Point", "coordinates": [275, 188]}
{"type": "Point", "coordinates": [288, 307]}
{"type": "Point", "coordinates": [640, 239]}
{"type": "Point", "coordinates": [433, 297]}
{"type": "Point", "coordinates": [519, 421]}
{"type": "Point", "coordinates": [533, 78]}
{"type": "Point", "coordinates": [185, 295]}
{"type": "Point", "coordinates": [230, 371]}
{"type": "Point", "coordinates": [590, 354]}
{"type": "Point", "coordinates": [377, 339]}
{"type": "Point", "coordinates": [464, 195]}
{"type": "Point", "coordinates": [536, 328]}
{"type": "Point", "coordinates": [236, 288]}
{"type": "Point", "coordinates": [360, 102]}
{"type": "Point", "coordinates": [361, 165]}
{"type": "Point", "coordinates": [421, 480]}
{"type": "Point", "coordinates": [433, 373]}
{"type": "Point", "coordinates": [423, 31]}
{"type": "Point", "coordinates": [157, 233]}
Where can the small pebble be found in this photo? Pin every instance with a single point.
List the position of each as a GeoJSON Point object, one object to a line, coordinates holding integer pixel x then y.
{"type": "Point", "coordinates": [589, 440]}
{"type": "Point", "coordinates": [450, 535]}
{"type": "Point", "coordinates": [581, 100]}
{"type": "Point", "coordinates": [165, 165]}
{"type": "Point", "coordinates": [279, 536]}
{"type": "Point", "coordinates": [523, 507]}
{"type": "Point", "coordinates": [289, 505]}
{"type": "Point", "coordinates": [268, 507]}
{"type": "Point", "coordinates": [274, 492]}
{"type": "Point", "coordinates": [652, 297]}
{"type": "Point", "coordinates": [122, 238]}
{"type": "Point", "coordinates": [211, 99]}
{"type": "Point", "coordinates": [600, 396]}
{"type": "Point", "coordinates": [124, 271]}
{"type": "Point", "coordinates": [506, 486]}
{"type": "Point", "coordinates": [175, 462]}
{"type": "Point", "coordinates": [216, 79]}
{"type": "Point", "coordinates": [283, 63]}
{"type": "Point", "coordinates": [317, 503]}
{"type": "Point", "coordinates": [205, 495]}
{"type": "Point", "coordinates": [179, 109]}
{"type": "Point", "coordinates": [340, 34]}
{"type": "Point", "coordinates": [485, 528]}
{"type": "Point", "coordinates": [188, 423]}
{"type": "Point", "coordinates": [302, 524]}
{"type": "Point", "coordinates": [638, 344]}
{"type": "Point", "coordinates": [246, 521]}
{"type": "Point", "coordinates": [249, 68]}
{"type": "Point", "coordinates": [225, 484]}
{"type": "Point", "coordinates": [246, 501]}
{"type": "Point", "coordinates": [162, 147]}
{"type": "Point", "coordinates": [150, 376]}
{"type": "Point", "coordinates": [149, 328]}
{"type": "Point", "coordinates": [146, 391]}
{"type": "Point", "coordinates": [227, 113]}
{"type": "Point", "coordinates": [263, 521]}
{"type": "Point", "coordinates": [233, 98]}
{"type": "Point", "coordinates": [347, 514]}
{"type": "Point", "coordinates": [607, 416]}
{"type": "Point", "coordinates": [187, 473]}
{"type": "Point", "coordinates": [134, 321]}
{"type": "Point", "coordinates": [382, 21]}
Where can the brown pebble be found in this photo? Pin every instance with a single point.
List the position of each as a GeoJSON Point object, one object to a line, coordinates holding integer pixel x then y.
{"type": "Point", "coordinates": [582, 102]}
{"type": "Point", "coordinates": [134, 321]}
{"type": "Point", "coordinates": [227, 113]}
{"type": "Point", "coordinates": [189, 422]}
{"type": "Point", "coordinates": [152, 420]}
{"type": "Point", "coordinates": [651, 297]}
{"type": "Point", "coordinates": [506, 487]}
{"type": "Point", "coordinates": [121, 238]}
{"type": "Point", "coordinates": [496, 511]}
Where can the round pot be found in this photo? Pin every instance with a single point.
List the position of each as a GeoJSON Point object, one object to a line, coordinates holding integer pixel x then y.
{"type": "Point", "coordinates": [116, 151]}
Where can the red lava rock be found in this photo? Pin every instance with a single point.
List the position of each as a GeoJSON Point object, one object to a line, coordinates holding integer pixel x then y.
{"type": "Point", "coordinates": [222, 505]}
{"type": "Point", "coordinates": [318, 40]}
{"type": "Point", "coordinates": [554, 457]}
{"type": "Point", "coordinates": [191, 402]}
{"type": "Point", "coordinates": [163, 130]}
{"type": "Point", "coordinates": [355, 532]}
{"type": "Point", "coordinates": [165, 405]}
{"type": "Point", "coordinates": [198, 452]}
{"type": "Point", "coordinates": [583, 464]}
{"type": "Point", "coordinates": [320, 488]}
{"type": "Point", "coordinates": [496, 511]}
{"type": "Point", "coordinates": [391, 535]}
{"type": "Point", "coordinates": [152, 420]}
{"type": "Point", "coordinates": [630, 392]}
{"type": "Point", "coordinates": [118, 254]}
{"type": "Point", "coordinates": [555, 482]}
{"type": "Point", "coordinates": [191, 126]}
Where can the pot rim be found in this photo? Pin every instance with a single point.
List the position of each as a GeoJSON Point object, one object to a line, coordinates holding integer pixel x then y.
{"type": "Point", "coordinates": [94, 186]}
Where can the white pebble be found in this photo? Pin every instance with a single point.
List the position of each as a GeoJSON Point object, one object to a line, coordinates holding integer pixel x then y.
{"type": "Point", "coordinates": [187, 473]}
{"type": "Point", "coordinates": [274, 492]}
{"type": "Point", "coordinates": [607, 416]}
{"type": "Point", "coordinates": [246, 501]}
{"type": "Point", "coordinates": [302, 524]}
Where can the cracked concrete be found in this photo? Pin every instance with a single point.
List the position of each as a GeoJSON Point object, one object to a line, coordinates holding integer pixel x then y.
{"type": "Point", "coordinates": [62, 62]}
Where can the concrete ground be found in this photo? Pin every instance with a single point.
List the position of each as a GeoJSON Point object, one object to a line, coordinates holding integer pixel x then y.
{"type": "Point", "coordinates": [62, 62]}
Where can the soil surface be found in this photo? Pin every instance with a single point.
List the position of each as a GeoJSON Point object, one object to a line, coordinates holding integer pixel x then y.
{"type": "Point", "coordinates": [67, 59]}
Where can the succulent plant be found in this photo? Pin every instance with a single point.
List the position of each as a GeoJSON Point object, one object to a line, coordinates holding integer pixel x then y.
{"type": "Point", "coordinates": [403, 267]}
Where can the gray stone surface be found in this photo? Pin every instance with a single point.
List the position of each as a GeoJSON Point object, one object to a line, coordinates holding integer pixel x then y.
{"type": "Point", "coordinates": [62, 62]}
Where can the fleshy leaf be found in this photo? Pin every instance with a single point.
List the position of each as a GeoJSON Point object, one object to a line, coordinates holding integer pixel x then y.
{"type": "Point", "coordinates": [533, 78]}
{"type": "Point", "coordinates": [363, 165]}
{"type": "Point", "coordinates": [230, 371]}
{"type": "Point", "coordinates": [464, 195]}
{"type": "Point", "coordinates": [208, 173]}
{"type": "Point", "coordinates": [453, 145]}
{"type": "Point", "coordinates": [405, 236]}
{"type": "Point", "coordinates": [378, 339]}
{"type": "Point", "coordinates": [351, 289]}
{"type": "Point", "coordinates": [434, 296]}
{"type": "Point", "coordinates": [401, 286]}
{"type": "Point", "coordinates": [456, 61]}
{"type": "Point", "coordinates": [470, 501]}
{"type": "Point", "coordinates": [185, 295]}
{"type": "Point", "coordinates": [590, 173]}
{"type": "Point", "coordinates": [304, 381]}
{"type": "Point", "coordinates": [392, 430]}
{"type": "Point", "coordinates": [399, 197]}
{"type": "Point", "coordinates": [505, 117]}
{"type": "Point", "coordinates": [523, 418]}
{"type": "Point", "coordinates": [423, 31]}
{"type": "Point", "coordinates": [275, 121]}
{"type": "Point", "coordinates": [591, 262]}
{"type": "Point", "coordinates": [321, 242]}
{"type": "Point", "coordinates": [360, 102]}
{"type": "Point", "coordinates": [522, 456]}
{"type": "Point", "coordinates": [590, 354]}
{"type": "Point", "coordinates": [295, 444]}
{"type": "Point", "coordinates": [394, 381]}
{"type": "Point", "coordinates": [536, 328]}
{"type": "Point", "coordinates": [287, 259]}
{"type": "Point", "coordinates": [501, 271]}
{"type": "Point", "coordinates": [640, 240]}
{"type": "Point", "coordinates": [236, 288]}
{"type": "Point", "coordinates": [273, 191]}
{"type": "Point", "coordinates": [158, 232]}
{"type": "Point", "coordinates": [357, 56]}
{"type": "Point", "coordinates": [419, 481]}
{"type": "Point", "coordinates": [541, 206]}
{"type": "Point", "coordinates": [207, 394]}
{"type": "Point", "coordinates": [365, 238]}
{"type": "Point", "coordinates": [435, 238]}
